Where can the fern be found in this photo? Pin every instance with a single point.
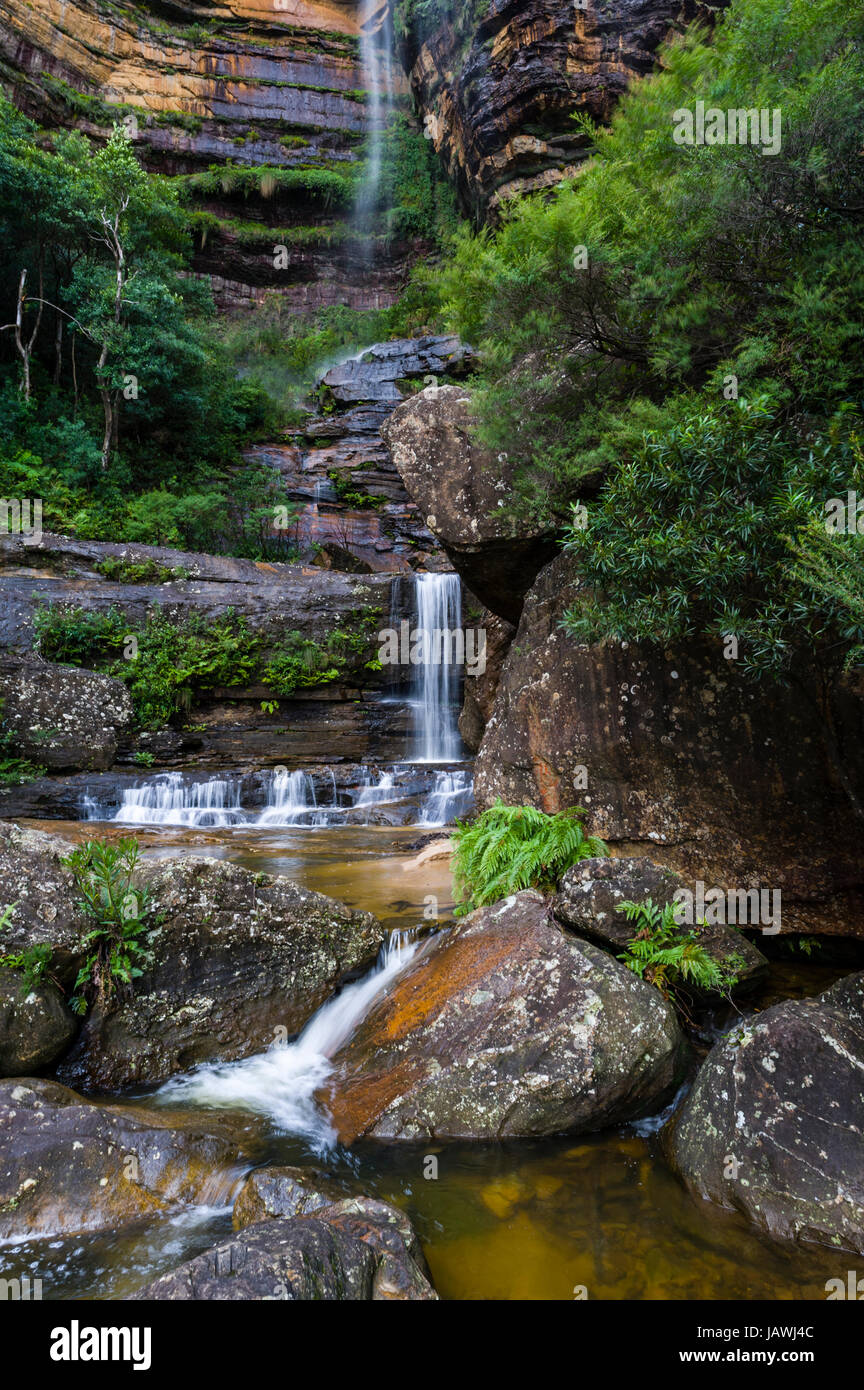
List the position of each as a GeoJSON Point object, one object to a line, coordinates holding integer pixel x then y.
{"type": "Point", "coordinates": [667, 955]}
{"type": "Point", "coordinates": [509, 848]}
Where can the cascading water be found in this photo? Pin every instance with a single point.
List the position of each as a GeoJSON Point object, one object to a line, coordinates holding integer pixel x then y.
{"type": "Point", "coordinates": [451, 796]}
{"type": "Point", "coordinates": [282, 1082]}
{"type": "Point", "coordinates": [436, 681]}
{"type": "Point", "coordinates": [292, 800]}
{"type": "Point", "coordinates": [376, 58]}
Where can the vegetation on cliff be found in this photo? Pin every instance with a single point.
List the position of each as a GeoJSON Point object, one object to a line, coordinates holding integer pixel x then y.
{"type": "Point", "coordinates": [673, 340]}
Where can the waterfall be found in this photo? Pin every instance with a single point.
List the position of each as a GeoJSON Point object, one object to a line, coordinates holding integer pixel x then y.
{"type": "Point", "coordinates": [282, 1082]}
{"type": "Point", "coordinates": [290, 800]}
{"type": "Point", "coordinates": [436, 680]}
{"type": "Point", "coordinates": [376, 58]}
{"type": "Point", "coordinates": [451, 796]}
{"type": "Point", "coordinates": [167, 800]}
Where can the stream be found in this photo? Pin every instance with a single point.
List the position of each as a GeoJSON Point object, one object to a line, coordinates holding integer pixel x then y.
{"type": "Point", "coordinates": [527, 1220]}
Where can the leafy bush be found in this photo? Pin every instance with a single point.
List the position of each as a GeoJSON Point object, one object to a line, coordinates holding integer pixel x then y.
{"type": "Point", "coordinates": [508, 848]}
{"type": "Point", "coordinates": [169, 663]}
{"type": "Point", "coordinates": [702, 261]}
{"type": "Point", "coordinates": [117, 943]}
{"type": "Point", "coordinates": [670, 956]}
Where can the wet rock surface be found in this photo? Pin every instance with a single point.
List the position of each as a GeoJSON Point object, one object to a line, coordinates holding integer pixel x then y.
{"type": "Point", "coordinates": [70, 1165]}
{"type": "Point", "coordinates": [463, 492]}
{"type": "Point", "coordinates": [591, 892]}
{"type": "Point", "coordinates": [268, 1193]}
{"type": "Point", "coordinates": [505, 1026]}
{"type": "Point", "coordinates": [46, 902]}
{"type": "Point", "coordinates": [62, 717]}
{"type": "Point", "coordinates": [356, 1249]}
{"type": "Point", "coordinates": [239, 960]}
{"type": "Point", "coordinates": [773, 1126]}
{"type": "Point", "coordinates": [36, 1026]}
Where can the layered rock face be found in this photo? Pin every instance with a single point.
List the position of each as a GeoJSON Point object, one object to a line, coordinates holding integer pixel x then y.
{"type": "Point", "coordinates": [244, 86]}
{"type": "Point", "coordinates": [498, 83]}
{"type": "Point", "coordinates": [773, 1126]}
{"type": "Point", "coordinates": [678, 756]}
{"type": "Point", "coordinates": [359, 515]}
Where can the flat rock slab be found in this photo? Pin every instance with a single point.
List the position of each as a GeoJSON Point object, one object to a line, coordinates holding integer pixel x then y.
{"type": "Point", "coordinates": [505, 1026]}
{"type": "Point", "coordinates": [774, 1125]}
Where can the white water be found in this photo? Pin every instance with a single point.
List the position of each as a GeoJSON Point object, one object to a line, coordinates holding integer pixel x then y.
{"type": "Point", "coordinates": [282, 1082]}
{"type": "Point", "coordinates": [435, 686]}
{"type": "Point", "coordinates": [166, 800]}
{"type": "Point", "coordinates": [449, 799]}
{"type": "Point", "coordinates": [376, 58]}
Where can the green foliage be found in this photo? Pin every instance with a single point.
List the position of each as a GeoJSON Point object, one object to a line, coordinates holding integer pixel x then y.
{"type": "Point", "coordinates": [671, 956]}
{"type": "Point", "coordinates": [418, 200]}
{"type": "Point", "coordinates": [33, 961]}
{"type": "Point", "coordinates": [173, 662]}
{"type": "Point", "coordinates": [169, 663]}
{"type": "Point", "coordinates": [117, 943]}
{"type": "Point", "coordinates": [327, 187]}
{"type": "Point", "coordinates": [150, 358]}
{"type": "Point", "coordinates": [298, 662]}
{"type": "Point", "coordinates": [508, 848]}
{"type": "Point", "coordinates": [695, 536]}
{"type": "Point", "coordinates": [702, 261]}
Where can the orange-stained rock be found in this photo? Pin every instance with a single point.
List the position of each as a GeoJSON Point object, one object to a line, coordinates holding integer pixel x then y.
{"type": "Point", "coordinates": [504, 1026]}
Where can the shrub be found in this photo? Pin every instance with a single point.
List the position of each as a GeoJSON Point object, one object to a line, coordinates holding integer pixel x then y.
{"type": "Point", "coordinates": [508, 848]}
{"type": "Point", "coordinates": [117, 943]}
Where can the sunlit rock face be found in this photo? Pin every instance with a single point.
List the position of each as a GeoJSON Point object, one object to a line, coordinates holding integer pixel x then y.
{"type": "Point", "coordinates": [498, 88]}
{"type": "Point", "coordinates": [250, 84]}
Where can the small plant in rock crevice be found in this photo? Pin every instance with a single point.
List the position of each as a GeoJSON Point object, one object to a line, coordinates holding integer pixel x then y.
{"type": "Point", "coordinates": [670, 956]}
{"type": "Point", "coordinates": [117, 944]}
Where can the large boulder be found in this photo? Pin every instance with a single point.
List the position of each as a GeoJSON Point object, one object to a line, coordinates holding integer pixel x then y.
{"type": "Point", "coordinates": [69, 1165]}
{"type": "Point", "coordinates": [479, 691]}
{"type": "Point", "coordinates": [591, 892]}
{"type": "Point", "coordinates": [464, 493]}
{"type": "Point", "coordinates": [356, 1249]}
{"type": "Point", "coordinates": [45, 901]}
{"type": "Point", "coordinates": [239, 960]}
{"type": "Point", "coordinates": [774, 1125]}
{"type": "Point", "coordinates": [36, 1025]}
{"type": "Point", "coordinates": [680, 757]}
{"type": "Point", "coordinates": [63, 717]}
{"type": "Point", "coordinates": [505, 1026]}
{"type": "Point", "coordinates": [268, 1193]}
